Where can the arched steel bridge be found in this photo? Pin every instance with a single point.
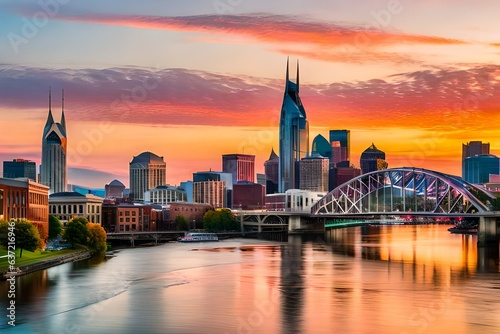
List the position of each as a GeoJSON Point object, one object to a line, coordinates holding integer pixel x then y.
{"type": "Point", "coordinates": [402, 191]}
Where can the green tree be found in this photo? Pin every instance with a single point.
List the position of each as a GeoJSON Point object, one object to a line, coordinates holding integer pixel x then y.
{"type": "Point", "coordinates": [210, 220]}
{"type": "Point", "coordinates": [181, 223]}
{"type": "Point", "coordinates": [96, 238]}
{"type": "Point", "coordinates": [220, 220]}
{"type": "Point", "coordinates": [76, 231]}
{"type": "Point", "coordinates": [55, 227]}
{"type": "Point", "coordinates": [23, 233]}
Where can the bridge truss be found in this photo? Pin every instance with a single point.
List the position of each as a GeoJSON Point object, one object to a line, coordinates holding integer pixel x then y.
{"type": "Point", "coordinates": [404, 190]}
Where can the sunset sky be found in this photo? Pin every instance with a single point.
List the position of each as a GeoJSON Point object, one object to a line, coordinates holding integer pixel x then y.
{"type": "Point", "coordinates": [191, 80]}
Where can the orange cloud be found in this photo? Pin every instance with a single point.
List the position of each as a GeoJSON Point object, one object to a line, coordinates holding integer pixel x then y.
{"type": "Point", "coordinates": [273, 29]}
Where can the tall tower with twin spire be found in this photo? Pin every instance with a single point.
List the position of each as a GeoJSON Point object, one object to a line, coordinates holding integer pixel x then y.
{"type": "Point", "coordinates": [53, 171]}
{"type": "Point", "coordinates": [294, 135]}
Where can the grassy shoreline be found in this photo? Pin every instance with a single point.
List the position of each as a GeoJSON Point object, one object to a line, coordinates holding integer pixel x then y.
{"type": "Point", "coordinates": [30, 258]}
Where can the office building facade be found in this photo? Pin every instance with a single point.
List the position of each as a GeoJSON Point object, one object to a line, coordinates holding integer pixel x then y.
{"type": "Point", "coordinates": [147, 171]}
{"type": "Point", "coordinates": [24, 198]}
{"type": "Point", "coordinates": [19, 168]}
{"type": "Point", "coordinates": [210, 192]}
{"type": "Point", "coordinates": [241, 166]}
{"type": "Point", "coordinates": [314, 173]}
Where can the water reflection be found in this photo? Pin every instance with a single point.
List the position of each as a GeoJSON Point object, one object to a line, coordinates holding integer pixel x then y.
{"type": "Point", "coordinates": [371, 279]}
{"type": "Point", "coordinates": [292, 284]}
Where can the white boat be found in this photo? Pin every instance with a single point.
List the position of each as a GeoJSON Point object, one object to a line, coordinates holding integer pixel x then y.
{"type": "Point", "coordinates": [199, 237]}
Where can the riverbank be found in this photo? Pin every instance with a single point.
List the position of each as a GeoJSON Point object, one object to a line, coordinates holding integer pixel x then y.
{"type": "Point", "coordinates": [45, 264]}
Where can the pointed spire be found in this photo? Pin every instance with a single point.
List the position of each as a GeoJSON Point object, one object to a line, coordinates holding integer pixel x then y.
{"type": "Point", "coordinates": [297, 75]}
{"type": "Point", "coordinates": [50, 119]}
{"type": "Point", "coordinates": [273, 155]}
{"type": "Point", "coordinates": [287, 76]}
{"type": "Point", "coordinates": [63, 119]}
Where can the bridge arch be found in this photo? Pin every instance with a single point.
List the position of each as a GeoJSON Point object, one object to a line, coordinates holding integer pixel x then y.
{"type": "Point", "coordinates": [403, 190]}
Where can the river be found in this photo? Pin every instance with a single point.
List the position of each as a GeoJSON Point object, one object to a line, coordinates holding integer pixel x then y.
{"type": "Point", "coordinates": [372, 279]}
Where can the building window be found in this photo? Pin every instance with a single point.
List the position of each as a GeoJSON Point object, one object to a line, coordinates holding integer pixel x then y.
{"type": "Point", "coordinates": [121, 213]}
{"type": "Point", "coordinates": [133, 220]}
{"type": "Point", "coordinates": [133, 213]}
{"type": "Point", "coordinates": [121, 220]}
{"type": "Point", "coordinates": [81, 208]}
{"type": "Point", "coordinates": [127, 213]}
{"type": "Point", "coordinates": [121, 228]}
{"type": "Point", "coordinates": [127, 220]}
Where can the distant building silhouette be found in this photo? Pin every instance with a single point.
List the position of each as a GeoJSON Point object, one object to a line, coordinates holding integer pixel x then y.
{"type": "Point", "coordinates": [271, 169]}
{"type": "Point", "coordinates": [19, 168]}
{"type": "Point", "coordinates": [114, 189]}
{"type": "Point", "coordinates": [475, 148]}
{"type": "Point", "coordinates": [293, 135]}
{"type": "Point", "coordinates": [147, 171]}
{"type": "Point", "coordinates": [372, 159]}
{"type": "Point", "coordinates": [53, 171]}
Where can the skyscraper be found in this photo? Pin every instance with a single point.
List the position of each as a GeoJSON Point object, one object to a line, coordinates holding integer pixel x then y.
{"type": "Point", "coordinates": [340, 140]}
{"type": "Point", "coordinates": [53, 171]}
{"type": "Point", "coordinates": [372, 159]}
{"type": "Point", "coordinates": [147, 171]}
{"type": "Point", "coordinates": [294, 135]}
{"type": "Point", "coordinates": [241, 166]}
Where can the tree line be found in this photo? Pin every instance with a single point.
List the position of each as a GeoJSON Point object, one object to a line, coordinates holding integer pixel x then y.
{"type": "Point", "coordinates": [29, 236]}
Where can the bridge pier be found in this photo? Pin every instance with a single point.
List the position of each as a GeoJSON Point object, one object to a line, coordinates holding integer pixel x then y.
{"type": "Point", "coordinates": [488, 231]}
{"type": "Point", "coordinates": [294, 223]}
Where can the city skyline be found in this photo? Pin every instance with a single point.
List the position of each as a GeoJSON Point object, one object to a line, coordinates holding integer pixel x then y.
{"type": "Point", "coordinates": [192, 81]}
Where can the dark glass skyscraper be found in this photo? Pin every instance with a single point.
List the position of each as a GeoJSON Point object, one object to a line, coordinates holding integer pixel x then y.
{"type": "Point", "coordinates": [477, 169]}
{"type": "Point", "coordinates": [322, 147]}
{"type": "Point", "coordinates": [294, 135]}
{"type": "Point", "coordinates": [53, 171]}
{"type": "Point", "coordinates": [372, 159]}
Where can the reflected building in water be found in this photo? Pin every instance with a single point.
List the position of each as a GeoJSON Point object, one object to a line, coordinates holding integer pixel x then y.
{"type": "Point", "coordinates": [292, 285]}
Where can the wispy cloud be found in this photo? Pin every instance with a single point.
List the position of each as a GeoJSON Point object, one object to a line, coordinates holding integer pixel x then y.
{"type": "Point", "coordinates": [326, 38]}
{"type": "Point", "coordinates": [459, 97]}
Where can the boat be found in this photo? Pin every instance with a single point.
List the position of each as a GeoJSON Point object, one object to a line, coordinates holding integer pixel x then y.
{"type": "Point", "coordinates": [464, 228]}
{"type": "Point", "coordinates": [199, 237]}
